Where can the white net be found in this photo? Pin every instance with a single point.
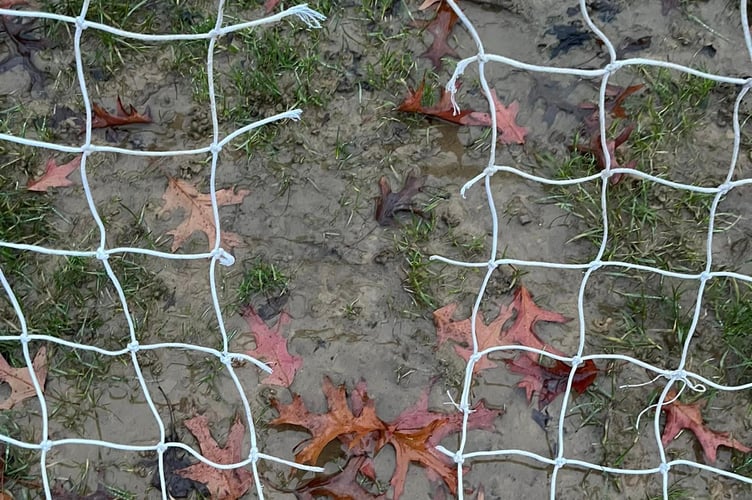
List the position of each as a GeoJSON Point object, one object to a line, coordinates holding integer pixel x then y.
{"type": "Point", "coordinates": [215, 257]}
{"type": "Point", "coordinates": [676, 375]}
{"type": "Point", "coordinates": [462, 456]}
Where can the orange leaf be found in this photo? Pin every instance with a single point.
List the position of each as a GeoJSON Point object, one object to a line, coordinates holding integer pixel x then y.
{"type": "Point", "coordinates": [326, 427]}
{"type": "Point", "coordinates": [506, 121]}
{"type": "Point", "coordinates": [180, 194]}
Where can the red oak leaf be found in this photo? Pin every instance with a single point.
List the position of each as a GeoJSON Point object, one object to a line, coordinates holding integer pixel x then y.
{"type": "Point", "coordinates": [459, 331]}
{"type": "Point", "coordinates": [416, 432]}
{"type": "Point", "coordinates": [102, 118]}
{"type": "Point", "coordinates": [198, 207]}
{"type": "Point", "coordinates": [19, 379]}
{"type": "Point", "coordinates": [342, 485]}
{"type": "Point", "coordinates": [271, 347]}
{"type": "Point", "coordinates": [326, 427]}
{"type": "Point", "coordinates": [270, 5]}
{"type": "Point", "coordinates": [548, 377]}
{"type": "Point", "coordinates": [389, 203]}
{"type": "Point", "coordinates": [54, 175]}
{"type": "Point", "coordinates": [681, 416]}
{"type": "Point", "coordinates": [441, 28]}
{"type": "Point", "coordinates": [615, 96]}
{"type": "Point", "coordinates": [443, 110]}
{"type": "Point", "coordinates": [223, 484]}
{"type": "Point", "coordinates": [521, 331]}
{"type": "Point", "coordinates": [595, 148]}
{"type": "Point", "coordinates": [506, 121]}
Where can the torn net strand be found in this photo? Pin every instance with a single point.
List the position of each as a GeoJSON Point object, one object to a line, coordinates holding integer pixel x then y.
{"type": "Point", "coordinates": [216, 255]}
{"type": "Point", "coordinates": [679, 374]}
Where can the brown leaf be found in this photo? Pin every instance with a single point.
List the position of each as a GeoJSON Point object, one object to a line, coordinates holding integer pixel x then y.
{"type": "Point", "coordinates": [441, 28]}
{"type": "Point", "coordinates": [443, 110]}
{"type": "Point", "coordinates": [271, 347]}
{"type": "Point", "coordinates": [342, 485]}
{"type": "Point", "coordinates": [595, 148]}
{"type": "Point", "coordinates": [19, 379]}
{"type": "Point", "coordinates": [102, 118]}
{"type": "Point", "coordinates": [180, 194]}
{"type": "Point", "coordinates": [54, 175]}
{"type": "Point", "coordinates": [681, 416]}
{"type": "Point", "coordinates": [326, 427]}
{"type": "Point", "coordinates": [223, 484]}
{"type": "Point", "coordinates": [389, 203]}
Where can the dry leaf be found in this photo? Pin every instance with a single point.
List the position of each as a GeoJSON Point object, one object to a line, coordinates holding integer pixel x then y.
{"type": "Point", "coordinates": [223, 484]}
{"type": "Point", "coordinates": [102, 118]}
{"type": "Point", "coordinates": [54, 175]}
{"type": "Point", "coordinates": [180, 194]}
{"type": "Point", "coordinates": [271, 347]}
{"type": "Point", "coordinates": [19, 379]}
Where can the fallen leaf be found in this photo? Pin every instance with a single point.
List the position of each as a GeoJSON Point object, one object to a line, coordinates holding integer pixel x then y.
{"type": "Point", "coordinates": [270, 5]}
{"type": "Point", "coordinates": [326, 427]}
{"type": "Point", "coordinates": [506, 121]}
{"type": "Point", "coordinates": [19, 379]}
{"type": "Point", "coordinates": [271, 347]}
{"type": "Point", "coordinates": [342, 485]}
{"type": "Point", "coordinates": [595, 148]}
{"type": "Point", "coordinates": [568, 36]}
{"type": "Point", "coordinates": [548, 377]}
{"type": "Point", "coordinates": [441, 28]}
{"type": "Point", "coordinates": [389, 203]}
{"type": "Point", "coordinates": [102, 118]}
{"type": "Point", "coordinates": [614, 98]}
{"type": "Point", "coordinates": [180, 194]}
{"type": "Point", "coordinates": [223, 484]}
{"type": "Point", "coordinates": [54, 175]}
{"type": "Point", "coordinates": [681, 416]}
{"type": "Point", "coordinates": [443, 110]}
{"type": "Point", "coordinates": [521, 331]}
{"type": "Point", "coordinates": [414, 434]}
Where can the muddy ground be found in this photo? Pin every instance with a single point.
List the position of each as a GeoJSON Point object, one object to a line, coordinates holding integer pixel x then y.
{"type": "Point", "coordinates": [311, 213]}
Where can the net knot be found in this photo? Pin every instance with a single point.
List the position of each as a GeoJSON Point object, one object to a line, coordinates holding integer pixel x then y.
{"type": "Point", "coordinates": [81, 23]}
{"type": "Point", "coordinates": [612, 67]}
{"type": "Point", "coordinates": [458, 458]}
{"type": "Point", "coordinates": [576, 361]}
{"type": "Point", "coordinates": [725, 188]}
{"type": "Point", "coordinates": [87, 149]}
{"type": "Point", "coordinates": [489, 171]}
{"type": "Point", "coordinates": [134, 346]}
{"type": "Point", "coordinates": [215, 148]}
{"type": "Point", "coordinates": [102, 254]}
{"type": "Point", "coordinates": [226, 358]}
{"type": "Point", "coordinates": [704, 276]}
{"type": "Point", "coordinates": [24, 338]}
{"type": "Point", "coordinates": [254, 455]}
{"type": "Point", "coordinates": [492, 265]}
{"type": "Point", "coordinates": [223, 257]}
{"type": "Point", "coordinates": [677, 375]}
{"type": "Point", "coordinates": [475, 357]}
{"type": "Point", "coordinates": [664, 468]}
{"type": "Point", "coordinates": [215, 33]}
{"type": "Point", "coordinates": [161, 448]}
{"type": "Point", "coordinates": [560, 462]}
{"type": "Point", "coordinates": [45, 445]}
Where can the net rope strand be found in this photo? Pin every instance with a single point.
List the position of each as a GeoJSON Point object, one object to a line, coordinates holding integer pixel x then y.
{"type": "Point", "coordinates": [680, 376]}
{"type": "Point", "coordinates": [216, 256]}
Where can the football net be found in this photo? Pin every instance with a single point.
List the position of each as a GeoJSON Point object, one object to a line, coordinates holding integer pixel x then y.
{"type": "Point", "coordinates": [217, 256]}
{"type": "Point", "coordinates": [463, 456]}
{"type": "Point", "coordinates": [678, 377]}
